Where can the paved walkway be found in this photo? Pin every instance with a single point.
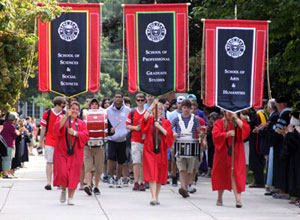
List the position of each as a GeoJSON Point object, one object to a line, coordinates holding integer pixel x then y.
{"type": "Point", "coordinates": [25, 198]}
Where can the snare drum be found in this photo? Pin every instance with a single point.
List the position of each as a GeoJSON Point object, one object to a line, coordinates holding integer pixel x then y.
{"type": "Point", "coordinates": [96, 120]}
{"type": "Point", "coordinates": [187, 148]}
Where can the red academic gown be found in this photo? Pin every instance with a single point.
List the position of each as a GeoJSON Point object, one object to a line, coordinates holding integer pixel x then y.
{"type": "Point", "coordinates": [155, 166]}
{"type": "Point", "coordinates": [66, 168]}
{"type": "Point", "coordinates": [221, 172]}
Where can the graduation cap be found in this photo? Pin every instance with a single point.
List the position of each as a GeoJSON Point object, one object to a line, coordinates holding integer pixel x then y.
{"type": "Point", "coordinates": [282, 99]}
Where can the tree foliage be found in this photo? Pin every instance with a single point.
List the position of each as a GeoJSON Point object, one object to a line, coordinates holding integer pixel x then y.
{"type": "Point", "coordinates": [17, 40]}
{"type": "Point", "coordinates": [17, 26]}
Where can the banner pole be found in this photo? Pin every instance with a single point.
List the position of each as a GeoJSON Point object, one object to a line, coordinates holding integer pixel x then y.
{"type": "Point", "coordinates": [123, 52]}
{"type": "Point", "coordinates": [268, 70]}
{"type": "Point", "coordinates": [202, 61]}
{"type": "Point", "coordinates": [235, 12]}
{"type": "Point", "coordinates": [28, 70]}
{"type": "Point", "coordinates": [156, 129]}
{"type": "Point", "coordinates": [188, 50]}
{"type": "Point", "coordinates": [70, 136]}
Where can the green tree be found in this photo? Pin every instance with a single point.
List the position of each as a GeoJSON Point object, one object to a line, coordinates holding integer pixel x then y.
{"type": "Point", "coordinates": [17, 39]}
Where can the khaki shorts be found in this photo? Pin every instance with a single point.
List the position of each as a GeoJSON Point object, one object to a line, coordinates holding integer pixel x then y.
{"type": "Point", "coordinates": [137, 152]}
{"type": "Point", "coordinates": [185, 164]}
{"type": "Point", "coordinates": [94, 159]}
{"type": "Point", "coordinates": [49, 150]}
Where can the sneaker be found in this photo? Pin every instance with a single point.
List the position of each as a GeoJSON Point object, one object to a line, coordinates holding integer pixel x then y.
{"type": "Point", "coordinates": [111, 182]}
{"type": "Point", "coordinates": [183, 193]}
{"type": "Point", "coordinates": [174, 181]}
{"type": "Point", "coordinates": [238, 204]}
{"type": "Point", "coordinates": [135, 186]}
{"type": "Point", "coordinates": [48, 187]}
{"type": "Point", "coordinates": [63, 196]}
{"type": "Point", "coordinates": [88, 190]}
{"type": "Point", "coordinates": [6, 177]}
{"type": "Point", "coordinates": [219, 202]}
{"type": "Point", "coordinates": [142, 187]}
{"type": "Point", "coordinates": [118, 183]}
{"type": "Point", "coordinates": [153, 202]}
{"type": "Point", "coordinates": [105, 179]}
{"type": "Point", "coordinates": [125, 181]}
{"type": "Point", "coordinates": [192, 189]}
{"type": "Point", "coordinates": [70, 201]}
{"type": "Point", "coordinates": [96, 191]}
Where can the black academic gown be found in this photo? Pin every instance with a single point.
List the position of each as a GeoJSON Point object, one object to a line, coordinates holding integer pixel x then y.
{"type": "Point", "coordinates": [291, 153]}
{"type": "Point", "coordinates": [257, 160]}
{"type": "Point", "coordinates": [280, 165]}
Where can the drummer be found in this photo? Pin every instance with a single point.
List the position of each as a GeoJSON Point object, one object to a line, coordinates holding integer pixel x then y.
{"type": "Point", "coordinates": [93, 159]}
{"type": "Point", "coordinates": [186, 126]}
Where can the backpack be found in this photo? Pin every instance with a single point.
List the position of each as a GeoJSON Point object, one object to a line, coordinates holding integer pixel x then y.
{"type": "Point", "coordinates": [128, 137]}
{"type": "Point", "coordinates": [48, 117]}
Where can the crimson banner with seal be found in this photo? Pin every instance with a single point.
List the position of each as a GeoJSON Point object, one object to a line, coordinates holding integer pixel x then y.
{"type": "Point", "coordinates": [69, 51]}
{"type": "Point", "coordinates": [156, 44]}
{"type": "Point", "coordinates": [234, 63]}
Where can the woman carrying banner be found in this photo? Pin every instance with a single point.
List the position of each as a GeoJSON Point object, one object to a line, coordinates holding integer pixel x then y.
{"type": "Point", "coordinates": [155, 156]}
{"type": "Point", "coordinates": [68, 154]}
{"type": "Point", "coordinates": [223, 177]}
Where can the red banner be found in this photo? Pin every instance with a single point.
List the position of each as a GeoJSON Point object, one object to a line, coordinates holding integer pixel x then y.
{"type": "Point", "coordinates": [156, 40]}
{"type": "Point", "coordinates": [69, 51]}
{"type": "Point", "coordinates": [234, 63]}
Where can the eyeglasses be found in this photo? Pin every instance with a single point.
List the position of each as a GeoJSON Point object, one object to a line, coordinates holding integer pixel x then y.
{"type": "Point", "coordinates": [140, 100]}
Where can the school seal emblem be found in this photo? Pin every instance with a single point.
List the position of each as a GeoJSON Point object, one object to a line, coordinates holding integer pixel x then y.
{"type": "Point", "coordinates": [235, 47]}
{"type": "Point", "coordinates": [156, 31]}
{"type": "Point", "coordinates": [68, 30]}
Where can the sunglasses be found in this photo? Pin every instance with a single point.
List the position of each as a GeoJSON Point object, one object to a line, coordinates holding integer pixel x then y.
{"type": "Point", "coordinates": [140, 100]}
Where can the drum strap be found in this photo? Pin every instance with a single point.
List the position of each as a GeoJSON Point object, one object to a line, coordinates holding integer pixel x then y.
{"type": "Point", "coordinates": [156, 150]}
{"type": "Point", "coordinates": [189, 128]}
{"type": "Point", "coordinates": [70, 148]}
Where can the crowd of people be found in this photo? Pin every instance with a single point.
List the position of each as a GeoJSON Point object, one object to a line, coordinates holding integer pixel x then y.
{"type": "Point", "coordinates": [160, 142]}
{"type": "Point", "coordinates": [18, 137]}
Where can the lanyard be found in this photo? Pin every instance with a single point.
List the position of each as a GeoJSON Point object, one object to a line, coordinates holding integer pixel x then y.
{"type": "Point", "coordinates": [70, 148]}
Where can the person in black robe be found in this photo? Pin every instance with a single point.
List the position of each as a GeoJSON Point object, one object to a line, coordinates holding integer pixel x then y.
{"type": "Point", "coordinates": [291, 152]}
{"type": "Point", "coordinates": [266, 133]}
{"type": "Point", "coordinates": [280, 166]}
{"type": "Point", "coordinates": [257, 161]}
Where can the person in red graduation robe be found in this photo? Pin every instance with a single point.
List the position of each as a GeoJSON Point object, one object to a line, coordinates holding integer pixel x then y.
{"type": "Point", "coordinates": [222, 177]}
{"type": "Point", "coordinates": [155, 164]}
{"type": "Point", "coordinates": [67, 163]}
